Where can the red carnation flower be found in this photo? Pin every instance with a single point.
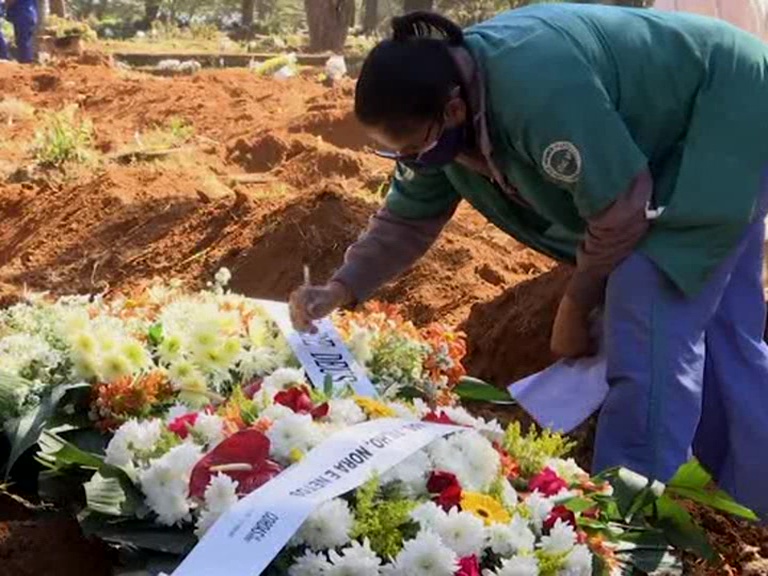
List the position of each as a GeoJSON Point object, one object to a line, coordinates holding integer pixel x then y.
{"type": "Point", "coordinates": [182, 424]}
{"type": "Point", "coordinates": [438, 418]}
{"type": "Point", "coordinates": [299, 400]}
{"type": "Point", "coordinates": [447, 489]}
{"type": "Point", "coordinates": [468, 566]}
{"type": "Point", "coordinates": [547, 482]}
{"type": "Point", "coordinates": [559, 513]}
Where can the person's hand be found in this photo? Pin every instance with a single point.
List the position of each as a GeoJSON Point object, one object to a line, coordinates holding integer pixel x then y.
{"type": "Point", "coordinates": [310, 303]}
{"type": "Point", "coordinates": [571, 337]}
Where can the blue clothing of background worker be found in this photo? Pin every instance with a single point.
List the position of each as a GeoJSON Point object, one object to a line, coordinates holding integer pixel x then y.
{"type": "Point", "coordinates": [23, 15]}
{"type": "Point", "coordinates": [4, 55]}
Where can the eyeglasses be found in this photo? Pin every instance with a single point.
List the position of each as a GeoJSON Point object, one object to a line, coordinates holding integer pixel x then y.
{"type": "Point", "coordinates": [428, 145]}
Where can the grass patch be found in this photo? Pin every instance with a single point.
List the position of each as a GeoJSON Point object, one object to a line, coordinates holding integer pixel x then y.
{"type": "Point", "coordinates": [64, 138]}
{"type": "Point", "coordinates": [14, 110]}
{"type": "Point", "coordinates": [176, 132]}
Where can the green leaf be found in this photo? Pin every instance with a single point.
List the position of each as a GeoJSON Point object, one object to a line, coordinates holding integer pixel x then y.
{"type": "Point", "coordinates": [105, 495]}
{"type": "Point", "coordinates": [691, 475]}
{"type": "Point", "coordinates": [57, 454]}
{"type": "Point", "coordinates": [693, 482]}
{"type": "Point", "coordinates": [24, 432]}
{"type": "Point", "coordinates": [633, 492]}
{"type": "Point", "coordinates": [716, 499]}
{"type": "Point", "coordinates": [328, 386]}
{"type": "Point", "coordinates": [578, 505]}
{"type": "Point", "coordinates": [678, 527]}
{"type": "Point", "coordinates": [156, 336]}
{"type": "Point", "coordinates": [110, 490]}
{"type": "Point", "coordinates": [474, 389]}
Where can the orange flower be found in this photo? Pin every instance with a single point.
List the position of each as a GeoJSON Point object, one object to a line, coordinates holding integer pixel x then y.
{"type": "Point", "coordinates": [128, 397]}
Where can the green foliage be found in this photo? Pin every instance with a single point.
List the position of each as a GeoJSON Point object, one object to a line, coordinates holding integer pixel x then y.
{"type": "Point", "coordinates": [385, 523]}
{"type": "Point", "coordinates": [64, 27]}
{"type": "Point", "coordinates": [694, 483]}
{"type": "Point", "coordinates": [474, 389]}
{"type": "Point", "coordinates": [269, 67]}
{"type": "Point", "coordinates": [532, 449]}
{"type": "Point", "coordinates": [176, 132]}
{"type": "Point", "coordinates": [64, 138]}
{"type": "Point", "coordinates": [550, 564]}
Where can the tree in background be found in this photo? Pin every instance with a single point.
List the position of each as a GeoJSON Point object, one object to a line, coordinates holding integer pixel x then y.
{"type": "Point", "coordinates": [328, 22]}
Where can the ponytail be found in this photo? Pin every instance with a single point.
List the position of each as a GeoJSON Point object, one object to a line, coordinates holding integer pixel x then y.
{"type": "Point", "coordinates": [408, 78]}
{"type": "Point", "coordinates": [424, 25]}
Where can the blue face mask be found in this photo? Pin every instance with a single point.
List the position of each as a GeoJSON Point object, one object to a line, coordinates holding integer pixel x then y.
{"type": "Point", "coordinates": [444, 151]}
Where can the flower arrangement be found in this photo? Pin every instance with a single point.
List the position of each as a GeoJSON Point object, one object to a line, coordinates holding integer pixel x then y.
{"type": "Point", "coordinates": [140, 352]}
{"type": "Point", "coordinates": [457, 507]}
{"type": "Point", "coordinates": [171, 406]}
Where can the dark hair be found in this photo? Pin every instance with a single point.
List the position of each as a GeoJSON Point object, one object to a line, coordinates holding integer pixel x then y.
{"type": "Point", "coordinates": [409, 77]}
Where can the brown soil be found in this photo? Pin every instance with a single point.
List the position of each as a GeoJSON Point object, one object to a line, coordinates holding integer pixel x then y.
{"type": "Point", "coordinates": [276, 176]}
{"type": "Point", "coordinates": [36, 542]}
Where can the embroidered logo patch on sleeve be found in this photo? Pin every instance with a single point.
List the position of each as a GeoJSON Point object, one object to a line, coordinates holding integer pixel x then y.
{"type": "Point", "coordinates": [562, 161]}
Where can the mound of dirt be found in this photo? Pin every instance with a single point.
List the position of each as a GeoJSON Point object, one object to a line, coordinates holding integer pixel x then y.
{"type": "Point", "coordinates": [509, 336]}
{"type": "Point", "coordinates": [309, 231]}
{"type": "Point", "coordinates": [36, 542]}
{"type": "Point", "coordinates": [336, 126]}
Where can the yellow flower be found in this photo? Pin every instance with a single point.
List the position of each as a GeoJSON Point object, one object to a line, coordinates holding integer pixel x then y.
{"type": "Point", "coordinates": [374, 408]}
{"type": "Point", "coordinates": [296, 455]}
{"type": "Point", "coordinates": [487, 508]}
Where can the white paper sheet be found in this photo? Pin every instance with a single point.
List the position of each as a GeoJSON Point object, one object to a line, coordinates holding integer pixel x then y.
{"type": "Point", "coordinates": [565, 394]}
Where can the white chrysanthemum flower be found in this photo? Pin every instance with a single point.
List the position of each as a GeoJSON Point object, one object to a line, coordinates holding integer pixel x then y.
{"type": "Point", "coordinates": [568, 470]}
{"type": "Point", "coordinates": [291, 433]}
{"type": "Point", "coordinates": [222, 277]}
{"type": "Point", "coordinates": [425, 555]}
{"type": "Point", "coordinates": [132, 437]}
{"type": "Point", "coordinates": [283, 377]}
{"type": "Point", "coordinates": [136, 354]}
{"type": "Point", "coordinates": [360, 344]}
{"type": "Point", "coordinates": [355, 560]}
{"type": "Point", "coordinates": [220, 496]}
{"type": "Point", "coordinates": [462, 532]}
{"type": "Point", "coordinates": [402, 410]}
{"type": "Point", "coordinates": [506, 540]}
{"type": "Point", "coordinates": [561, 539]}
{"type": "Point", "coordinates": [345, 411]}
{"type": "Point", "coordinates": [509, 495]}
{"type": "Point", "coordinates": [165, 483]}
{"type": "Point", "coordinates": [258, 362]}
{"type": "Point", "coordinates": [412, 473]}
{"type": "Point", "coordinates": [177, 411]}
{"type": "Point", "coordinates": [540, 507]}
{"type": "Point", "coordinates": [421, 408]}
{"type": "Point", "coordinates": [182, 371]}
{"type": "Point", "coordinates": [113, 366]}
{"type": "Point", "coordinates": [469, 456]}
{"type": "Point", "coordinates": [519, 566]}
{"type": "Point", "coordinates": [328, 526]}
{"type": "Point", "coordinates": [171, 349]}
{"type": "Point", "coordinates": [578, 562]}
{"type": "Point", "coordinates": [427, 515]}
{"type": "Point", "coordinates": [275, 412]}
{"type": "Point", "coordinates": [309, 564]}
{"type": "Point", "coordinates": [210, 427]}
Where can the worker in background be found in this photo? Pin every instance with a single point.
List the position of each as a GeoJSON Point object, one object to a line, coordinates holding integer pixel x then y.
{"type": "Point", "coordinates": [23, 15]}
{"type": "Point", "coordinates": [4, 54]}
{"type": "Point", "coordinates": [633, 143]}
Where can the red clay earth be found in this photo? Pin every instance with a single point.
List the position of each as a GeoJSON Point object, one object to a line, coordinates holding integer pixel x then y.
{"type": "Point", "coordinates": [276, 176]}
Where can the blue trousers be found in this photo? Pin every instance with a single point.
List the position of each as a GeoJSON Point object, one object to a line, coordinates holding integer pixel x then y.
{"type": "Point", "coordinates": [23, 16]}
{"type": "Point", "coordinates": [689, 376]}
{"type": "Point", "coordinates": [4, 54]}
